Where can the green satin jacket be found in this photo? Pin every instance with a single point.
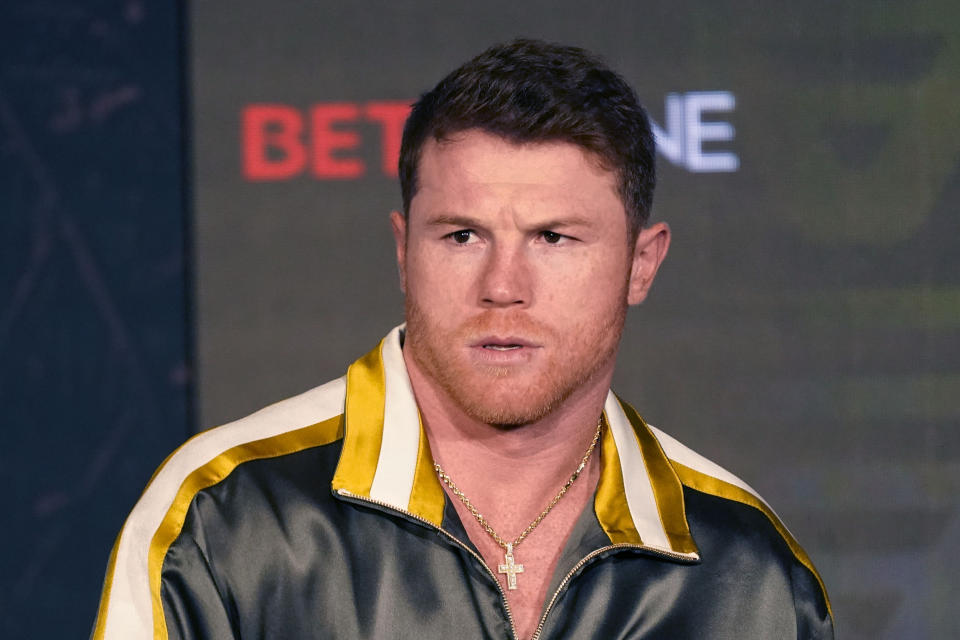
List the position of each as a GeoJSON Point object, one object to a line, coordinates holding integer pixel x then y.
{"type": "Point", "coordinates": [322, 517]}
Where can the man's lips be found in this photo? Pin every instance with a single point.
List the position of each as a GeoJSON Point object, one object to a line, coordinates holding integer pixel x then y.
{"type": "Point", "coordinates": [507, 343]}
{"type": "Point", "coordinates": [502, 350]}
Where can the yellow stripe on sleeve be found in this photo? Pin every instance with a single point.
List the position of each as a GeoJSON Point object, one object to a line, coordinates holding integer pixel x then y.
{"type": "Point", "coordinates": [716, 487]}
{"type": "Point", "coordinates": [210, 474]}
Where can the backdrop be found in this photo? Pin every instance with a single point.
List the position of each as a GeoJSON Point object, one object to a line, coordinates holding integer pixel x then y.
{"type": "Point", "coordinates": [804, 330]}
{"type": "Point", "coordinates": [94, 365]}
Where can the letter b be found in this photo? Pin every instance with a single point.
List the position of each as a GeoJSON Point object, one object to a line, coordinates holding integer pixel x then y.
{"type": "Point", "coordinates": [273, 147]}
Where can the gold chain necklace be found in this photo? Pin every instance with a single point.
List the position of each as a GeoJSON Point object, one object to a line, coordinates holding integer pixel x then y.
{"type": "Point", "coordinates": [510, 566]}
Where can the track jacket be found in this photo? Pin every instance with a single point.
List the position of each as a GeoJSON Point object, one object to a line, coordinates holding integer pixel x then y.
{"type": "Point", "coordinates": [322, 517]}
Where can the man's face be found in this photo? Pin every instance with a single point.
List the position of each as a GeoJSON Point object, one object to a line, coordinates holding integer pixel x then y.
{"type": "Point", "coordinates": [518, 267]}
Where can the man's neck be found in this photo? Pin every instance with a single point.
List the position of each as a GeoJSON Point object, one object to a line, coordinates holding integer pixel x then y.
{"type": "Point", "coordinates": [511, 474]}
{"type": "Point", "coordinates": [492, 459]}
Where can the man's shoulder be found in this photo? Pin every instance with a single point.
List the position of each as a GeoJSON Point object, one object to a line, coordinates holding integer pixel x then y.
{"type": "Point", "coordinates": [729, 494]}
{"type": "Point", "coordinates": [739, 539]}
{"type": "Point", "coordinates": [701, 473]}
{"type": "Point", "coordinates": [303, 423]}
{"type": "Point", "coordinates": [671, 465]}
{"type": "Point", "coordinates": [310, 419]}
{"type": "Point", "coordinates": [728, 518]}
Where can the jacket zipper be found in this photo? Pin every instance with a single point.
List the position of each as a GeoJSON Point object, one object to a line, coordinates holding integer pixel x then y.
{"type": "Point", "coordinates": [590, 556]}
{"type": "Point", "coordinates": [503, 596]}
{"type": "Point", "coordinates": [455, 540]}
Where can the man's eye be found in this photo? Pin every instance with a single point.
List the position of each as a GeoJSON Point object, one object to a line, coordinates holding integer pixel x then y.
{"type": "Point", "coordinates": [462, 237]}
{"type": "Point", "coordinates": [552, 237]}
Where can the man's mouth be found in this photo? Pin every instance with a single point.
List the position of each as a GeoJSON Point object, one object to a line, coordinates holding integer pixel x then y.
{"type": "Point", "coordinates": [504, 343]}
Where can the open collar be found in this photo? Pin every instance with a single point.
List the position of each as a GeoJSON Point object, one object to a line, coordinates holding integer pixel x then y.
{"type": "Point", "coordinates": [386, 458]}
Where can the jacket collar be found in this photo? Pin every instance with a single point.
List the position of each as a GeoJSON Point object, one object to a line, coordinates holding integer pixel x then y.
{"type": "Point", "coordinates": [386, 458]}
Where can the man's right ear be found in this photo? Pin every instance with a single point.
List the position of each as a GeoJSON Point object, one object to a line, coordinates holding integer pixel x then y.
{"type": "Point", "coordinates": [399, 224]}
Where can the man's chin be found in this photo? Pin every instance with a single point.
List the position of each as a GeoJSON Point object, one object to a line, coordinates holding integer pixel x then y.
{"type": "Point", "coordinates": [505, 417]}
{"type": "Point", "coordinates": [506, 404]}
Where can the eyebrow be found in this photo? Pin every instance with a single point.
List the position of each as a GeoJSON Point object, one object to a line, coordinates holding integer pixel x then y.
{"type": "Point", "coordinates": [452, 220]}
{"type": "Point", "coordinates": [466, 221]}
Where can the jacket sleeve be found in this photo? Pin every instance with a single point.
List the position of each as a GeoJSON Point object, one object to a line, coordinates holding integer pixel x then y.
{"type": "Point", "coordinates": [191, 603]}
{"type": "Point", "coordinates": [814, 618]}
{"type": "Point", "coordinates": [193, 606]}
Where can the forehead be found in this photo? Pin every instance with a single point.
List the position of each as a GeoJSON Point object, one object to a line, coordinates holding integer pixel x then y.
{"type": "Point", "coordinates": [475, 164]}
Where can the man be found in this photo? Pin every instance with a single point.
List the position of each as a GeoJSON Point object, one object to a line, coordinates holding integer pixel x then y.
{"type": "Point", "coordinates": [473, 475]}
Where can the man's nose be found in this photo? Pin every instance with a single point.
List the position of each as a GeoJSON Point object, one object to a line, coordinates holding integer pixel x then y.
{"type": "Point", "coordinates": [506, 279]}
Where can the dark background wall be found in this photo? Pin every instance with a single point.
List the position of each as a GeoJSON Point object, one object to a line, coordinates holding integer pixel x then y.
{"type": "Point", "coordinates": [805, 331]}
{"type": "Point", "coordinates": [94, 372]}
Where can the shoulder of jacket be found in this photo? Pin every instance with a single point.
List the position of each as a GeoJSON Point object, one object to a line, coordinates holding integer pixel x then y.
{"type": "Point", "coordinates": [310, 418]}
{"type": "Point", "coordinates": [699, 473]}
{"type": "Point", "coordinates": [695, 469]}
{"type": "Point", "coordinates": [131, 594]}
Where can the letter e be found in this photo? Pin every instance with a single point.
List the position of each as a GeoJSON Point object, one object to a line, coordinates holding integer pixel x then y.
{"type": "Point", "coordinates": [325, 140]}
{"type": "Point", "coordinates": [698, 132]}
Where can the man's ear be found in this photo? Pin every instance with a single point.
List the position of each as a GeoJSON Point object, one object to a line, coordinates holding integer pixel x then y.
{"type": "Point", "coordinates": [649, 250]}
{"type": "Point", "coordinates": [399, 224]}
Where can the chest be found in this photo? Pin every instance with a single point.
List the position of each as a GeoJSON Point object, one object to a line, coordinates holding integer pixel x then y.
{"type": "Point", "coordinates": [525, 574]}
{"type": "Point", "coordinates": [428, 587]}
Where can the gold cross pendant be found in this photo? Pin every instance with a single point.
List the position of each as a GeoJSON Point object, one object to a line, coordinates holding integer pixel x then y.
{"type": "Point", "coordinates": [510, 568]}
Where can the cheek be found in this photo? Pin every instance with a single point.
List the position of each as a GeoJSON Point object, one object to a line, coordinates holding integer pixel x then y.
{"type": "Point", "coordinates": [433, 277]}
{"type": "Point", "coordinates": [598, 280]}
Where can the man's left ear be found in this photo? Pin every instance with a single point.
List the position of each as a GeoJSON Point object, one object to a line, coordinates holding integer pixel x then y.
{"type": "Point", "coordinates": [399, 225]}
{"type": "Point", "coordinates": [649, 250]}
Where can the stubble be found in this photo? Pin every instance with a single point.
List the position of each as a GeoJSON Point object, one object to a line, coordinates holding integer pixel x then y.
{"type": "Point", "coordinates": [510, 396]}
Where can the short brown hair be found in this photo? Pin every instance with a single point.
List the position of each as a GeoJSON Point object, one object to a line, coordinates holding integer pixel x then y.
{"type": "Point", "coordinates": [530, 91]}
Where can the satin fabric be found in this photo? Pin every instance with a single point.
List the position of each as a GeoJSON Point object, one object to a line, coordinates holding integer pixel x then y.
{"type": "Point", "coordinates": [271, 552]}
{"type": "Point", "coordinates": [321, 517]}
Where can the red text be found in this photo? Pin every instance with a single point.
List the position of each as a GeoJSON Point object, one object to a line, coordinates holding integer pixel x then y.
{"type": "Point", "coordinates": [280, 142]}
